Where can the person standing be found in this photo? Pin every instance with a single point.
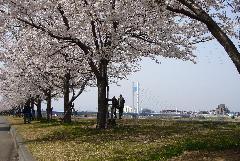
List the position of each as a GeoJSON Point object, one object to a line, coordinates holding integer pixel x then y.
{"type": "Point", "coordinates": [114, 107]}
{"type": "Point", "coordinates": [51, 112]}
{"type": "Point", "coordinates": [27, 113]}
{"type": "Point", "coordinates": [121, 102]}
{"type": "Point", "coordinates": [32, 114]}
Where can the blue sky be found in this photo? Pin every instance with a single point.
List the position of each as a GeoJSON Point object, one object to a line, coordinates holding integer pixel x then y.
{"type": "Point", "coordinates": [177, 84]}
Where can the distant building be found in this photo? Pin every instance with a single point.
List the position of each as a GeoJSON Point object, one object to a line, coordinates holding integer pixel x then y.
{"type": "Point", "coordinates": [222, 109]}
{"type": "Point", "coordinates": [232, 114]}
{"type": "Point", "coordinates": [147, 111]}
{"type": "Point", "coordinates": [128, 109]}
{"type": "Point", "coordinates": [212, 112]}
{"type": "Point", "coordinates": [172, 112]}
{"type": "Point", "coordinates": [203, 114]}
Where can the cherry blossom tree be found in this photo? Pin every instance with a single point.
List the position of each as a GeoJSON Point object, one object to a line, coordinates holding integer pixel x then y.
{"type": "Point", "coordinates": [221, 18]}
{"type": "Point", "coordinates": [52, 68]}
{"type": "Point", "coordinates": [111, 36]}
{"type": "Point", "coordinates": [14, 88]}
{"type": "Point", "coordinates": [107, 33]}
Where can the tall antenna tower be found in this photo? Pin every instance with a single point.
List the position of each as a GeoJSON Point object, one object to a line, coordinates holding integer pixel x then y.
{"type": "Point", "coordinates": [138, 109]}
{"type": "Point", "coordinates": [136, 90]}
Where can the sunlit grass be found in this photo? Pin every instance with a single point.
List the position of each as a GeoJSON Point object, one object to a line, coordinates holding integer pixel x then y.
{"type": "Point", "coordinates": [132, 139]}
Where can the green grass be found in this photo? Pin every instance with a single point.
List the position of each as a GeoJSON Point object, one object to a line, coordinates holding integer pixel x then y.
{"type": "Point", "coordinates": [146, 139]}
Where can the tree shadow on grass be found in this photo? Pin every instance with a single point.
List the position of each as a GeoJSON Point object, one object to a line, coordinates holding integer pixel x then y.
{"type": "Point", "coordinates": [221, 143]}
{"type": "Point", "coordinates": [228, 155]}
{"type": "Point", "coordinates": [44, 123]}
{"type": "Point", "coordinates": [82, 132]}
{"type": "Point", "coordinates": [184, 133]}
{"type": "Point", "coordinates": [19, 123]}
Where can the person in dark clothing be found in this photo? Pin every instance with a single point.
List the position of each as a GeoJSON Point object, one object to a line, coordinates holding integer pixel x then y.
{"type": "Point", "coordinates": [114, 107]}
{"type": "Point", "coordinates": [121, 102]}
{"type": "Point", "coordinates": [19, 112]}
{"type": "Point", "coordinates": [27, 114]}
{"type": "Point", "coordinates": [51, 112]}
{"type": "Point", "coordinates": [33, 114]}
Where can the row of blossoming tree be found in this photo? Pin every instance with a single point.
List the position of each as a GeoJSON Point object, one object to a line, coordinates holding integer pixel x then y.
{"type": "Point", "coordinates": [52, 48]}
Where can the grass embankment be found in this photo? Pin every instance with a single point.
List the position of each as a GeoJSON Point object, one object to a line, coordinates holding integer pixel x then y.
{"type": "Point", "coordinates": [151, 139]}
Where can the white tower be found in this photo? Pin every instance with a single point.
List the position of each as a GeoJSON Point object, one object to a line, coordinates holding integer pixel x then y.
{"type": "Point", "coordinates": [138, 110]}
{"type": "Point", "coordinates": [136, 89]}
{"type": "Point", "coordinates": [133, 91]}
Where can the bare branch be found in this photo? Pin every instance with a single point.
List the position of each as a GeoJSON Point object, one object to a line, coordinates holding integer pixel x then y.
{"type": "Point", "coordinates": [94, 68]}
{"type": "Point", "coordinates": [203, 40]}
{"type": "Point", "coordinates": [84, 47]}
{"type": "Point", "coordinates": [184, 12]}
{"type": "Point", "coordinates": [80, 91]}
{"type": "Point", "coordinates": [143, 38]}
{"type": "Point", "coordinates": [65, 20]}
{"type": "Point", "coordinates": [95, 35]}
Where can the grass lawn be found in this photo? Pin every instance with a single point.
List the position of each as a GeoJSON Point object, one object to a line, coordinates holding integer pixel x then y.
{"type": "Point", "coordinates": [132, 139]}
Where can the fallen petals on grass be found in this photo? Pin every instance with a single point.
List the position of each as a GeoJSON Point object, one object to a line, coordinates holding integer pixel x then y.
{"type": "Point", "coordinates": [149, 139]}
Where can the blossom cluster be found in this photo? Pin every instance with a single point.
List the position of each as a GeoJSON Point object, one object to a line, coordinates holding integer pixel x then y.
{"type": "Point", "coordinates": [43, 40]}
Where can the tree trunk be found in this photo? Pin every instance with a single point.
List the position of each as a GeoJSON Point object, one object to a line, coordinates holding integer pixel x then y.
{"type": "Point", "coordinates": [102, 84]}
{"type": "Point", "coordinates": [28, 103]}
{"type": "Point", "coordinates": [216, 31]}
{"type": "Point", "coordinates": [39, 106]}
{"type": "Point", "coordinates": [32, 108]}
{"type": "Point", "coordinates": [102, 105]}
{"type": "Point", "coordinates": [67, 106]}
{"type": "Point", "coordinates": [49, 104]}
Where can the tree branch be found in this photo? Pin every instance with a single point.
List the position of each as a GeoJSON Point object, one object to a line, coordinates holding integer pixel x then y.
{"type": "Point", "coordinates": [95, 35]}
{"type": "Point", "coordinates": [202, 40]}
{"type": "Point", "coordinates": [184, 12]}
{"type": "Point", "coordinates": [115, 23]}
{"type": "Point", "coordinates": [84, 47]}
{"type": "Point", "coordinates": [215, 30]}
{"type": "Point", "coordinates": [80, 91]}
{"type": "Point", "coordinates": [94, 68]}
{"type": "Point", "coordinates": [85, 1]}
{"type": "Point", "coordinates": [144, 39]}
{"type": "Point", "coordinates": [65, 20]}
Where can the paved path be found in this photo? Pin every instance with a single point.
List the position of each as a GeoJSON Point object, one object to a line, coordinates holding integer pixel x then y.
{"type": "Point", "coordinates": [7, 149]}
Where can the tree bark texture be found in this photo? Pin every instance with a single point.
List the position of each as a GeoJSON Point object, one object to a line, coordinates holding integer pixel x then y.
{"type": "Point", "coordinates": [32, 108]}
{"type": "Point", "coordinates": [102, 83]}
{"type": "Point", "coordinates": [67, 106]}
{"type": "Point", "coordinates": [49, 104]}
{"type": "Point", "coordinates": [39, 108]}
